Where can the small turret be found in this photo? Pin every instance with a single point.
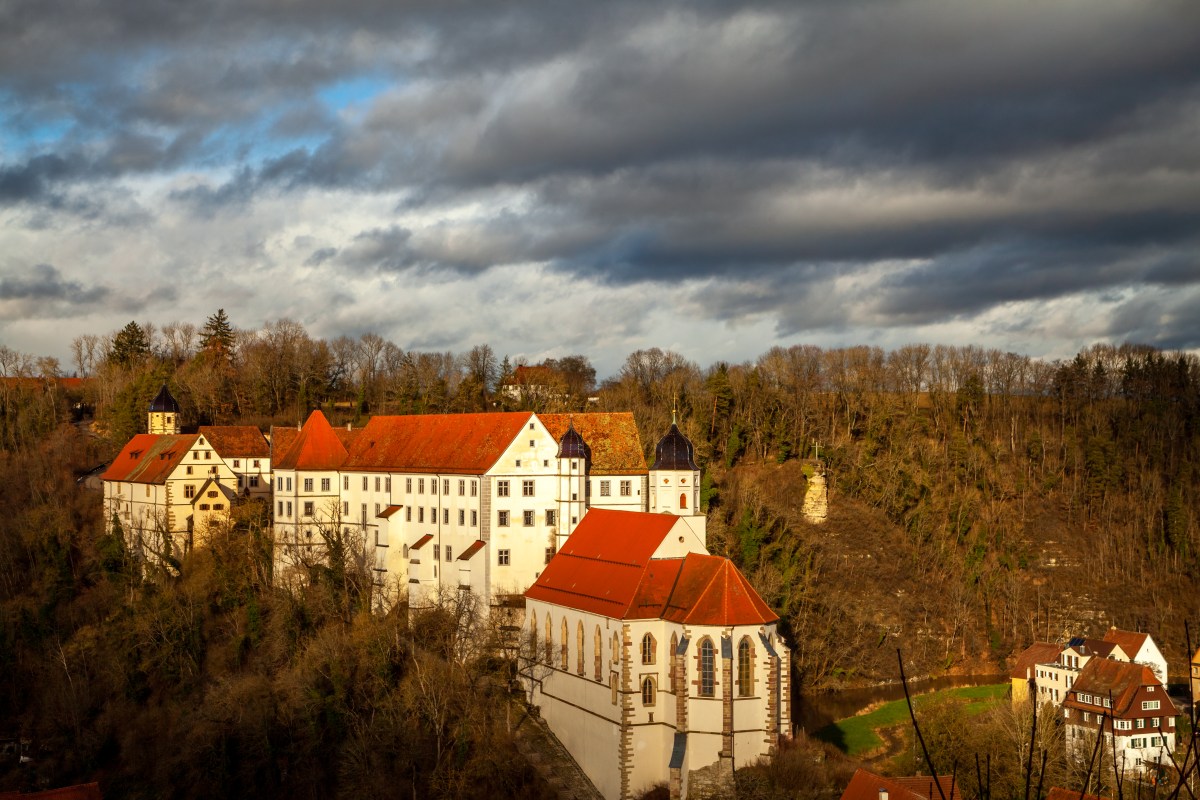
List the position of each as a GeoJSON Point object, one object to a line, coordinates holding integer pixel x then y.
{"type": "Point", "coordinates": [574, 464]}
{"type": "Point", "coordinates": [164, 413]}
{"type": "Point", "coordinates": [675, 478]}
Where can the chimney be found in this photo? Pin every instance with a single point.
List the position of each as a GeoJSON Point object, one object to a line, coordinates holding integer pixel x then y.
{"type": "Point", "coordinates": [883, 794]}
{"type": "Point", "coordinates": [349, 425]}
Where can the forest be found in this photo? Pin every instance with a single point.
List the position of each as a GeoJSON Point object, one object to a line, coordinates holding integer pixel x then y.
{"type": "Point", "coordinates": [978, 500]}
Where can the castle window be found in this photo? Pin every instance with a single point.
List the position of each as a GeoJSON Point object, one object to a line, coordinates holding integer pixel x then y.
{"type": "Point", "coordinates": [420, 486]}
{"type": "Point", "coordinates": [518, 463]}
{"type": "Point", "coordinates": [253, 481]}
{"type": "Point", "coordinates": [502, 488]}
{"type": "Point", "coordinates": [564, 654]}
{"type": "Point", "coordinates": [189, 472]}
{"type": "Point", "coordinates": [462, 517]}
{"type": "Point", "coordinates": [745, 672]}
{"type": "Point", "coordinates": [170, 419]}
{"type": "Point", "coordinates": [462, 488]}
{"type": "Point", "coordinates": [289, 508]}
{"type": "Point", "coordinates": [474, 519]}
{"type": "Point", "coordinates": [527, 488]}
{"type": "Point", "coordinates": [502, 559]}
{"type": "Point", "coordinates": [408, 514]}
{"type": "Point", "coordinates": [346, 509]}
{"type": "Point", "coordinates": [208, 455]}
{"type": "Point", "coordinates": [683, 500]}
{"type": "Point", "coordinates": [579, 647]}
{"type": "Point", "coordinates": [378, 481]}
{"type": "Point", "coordinates": [236, 463]}
{"type": "Point", "coordinates": [256, 463]}
{"type": "Point", "coordinates": [445, 516]}
{"type": "Point", "coordinates": [308, 484]}
{"type": "Point", "coordinates": [648, 648]}
{"type": "Point", "coordinates": [549, 554]}
{"type": "Point", "coordinates": [648, 691]}
{"type": "Point", "coordinates": [503, 519]}
{"type": "Point", "coordinates": [551, 516]}
{"type": "Point", "coordinates": [325, 487]}
{"type": "Point", "coordinates": [605, 488]}
{"type": "Point", "coordinates": [190, 491]}
{"type": "Point", "coordinates": [616, 648]}
{"type": "Point", "coordinates": [308, 509]}
{"type": "Point", "coordinates": [549, 641]}
{"type": "Point", "coordinates": [708, 663]}
{"type": "Point", "coordinates": [408, 485]}
{"type": "Point", "coordinates": [420, 513]}
{"type": "Point", "coordinates": [448, 557]}
{"type": "Point", "coordinates": [598, 646]}
{"type": "Point", "coordinates": [626, 488]}
{"type": "Point", "coordinates": [527, 518]}
{"type": "Point", "coordinates": [671, 659]}
{"type": "Point", "coordinates": [437, 552]}
{"type": "Point", "coordinates": [474, 488]}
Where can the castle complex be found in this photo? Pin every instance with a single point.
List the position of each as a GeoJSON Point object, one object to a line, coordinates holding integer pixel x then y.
{"type": "Point", "coordinates": [652, 660]}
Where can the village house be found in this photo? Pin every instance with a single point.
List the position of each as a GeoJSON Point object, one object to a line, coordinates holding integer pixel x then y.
{"type": "Point", "coordinates": [1050, 670]}
{"type": "Point", "coordinates": [165, 488]}
{"type": "Point", "coordinates": [652, 661]}
{"type": "Point", "coordinates": [866, 785]}
{"type": "Point", "coordinates": [1127, 704]}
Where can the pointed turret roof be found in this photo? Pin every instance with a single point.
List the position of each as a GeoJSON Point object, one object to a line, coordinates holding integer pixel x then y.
{"type": "Point", "coordinates": [572, 445]}
{"type": "Point", "coordinates": [317, 447]}
{"type": "Point", "coordinates": [163, 402]}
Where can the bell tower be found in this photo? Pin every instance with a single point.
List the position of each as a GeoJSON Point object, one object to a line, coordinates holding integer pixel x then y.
{"type": "Point", "coordinates": [164, 413]}
{"type": "Point", "coordinates": [675, 478]}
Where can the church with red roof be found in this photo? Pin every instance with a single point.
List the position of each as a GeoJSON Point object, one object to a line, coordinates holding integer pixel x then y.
{"type": "Point", "coordinates": [650, 659]}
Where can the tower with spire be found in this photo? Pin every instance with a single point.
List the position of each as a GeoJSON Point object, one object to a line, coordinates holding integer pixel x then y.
{"type": "Point", "coordinates": [574, 464]}
{"type": "Point", "coordinates": [164, 413]}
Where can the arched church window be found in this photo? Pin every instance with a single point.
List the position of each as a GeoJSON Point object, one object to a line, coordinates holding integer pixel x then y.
{"type": "Point", "coordinates": [549, 641]}
{"type": "Point", "coordinates": [648, 691]}
{"type": "Point", "coordinates": [708, 663]}
{"type": "Point", "coordinates": [579, 647]}
{"type": "Point", "coordinates": [648, 648]}
{"type": "Point", "coordinates": [598, 645]}
{"type": "Point", "coordinates": [564, 662]}
{"type": "Point", "coordinates": [745, 667]}
{"type": "Point", "coordinates": [671, 660]}
{"type": "Point", "coordinates": [616, 647]}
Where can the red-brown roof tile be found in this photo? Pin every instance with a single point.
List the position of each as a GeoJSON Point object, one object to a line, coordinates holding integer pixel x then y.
{"type": "Point", "coordinates": [149, 458]}
{"type": "Point", "coordinates": [464, 444]}
{"type": "Point", "coordinates": [1036, 653]}
{"type": "Point", "coordinates": [473, 548]}
{"type": "Point", "coordinates": [605, 567]}
{"type": "Point", "coordinates": [1128, 641]}
{"type": "Point", "coordinates": [388, 512]}
{"type": "Point", "coordinates": [866, 785]}
{"type": "Point", "coordinates": [424, 540]}
{"type": "Point", "coordinates": [316, 448]}
{"type": "Point", "coordinates": [1123, 681]}
{"type": "Point", "coordinates": [85, 791]}
{"type": "Point", "coordinates": [613, 439]}
{"type": "Point", "coordinates": [1058, 793]}
{"type": "Point", "coordinates": [282, 438]}
{"type": "Point", "coordinates": [236, 441]}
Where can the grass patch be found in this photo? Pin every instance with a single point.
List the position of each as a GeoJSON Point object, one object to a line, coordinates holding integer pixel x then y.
{"type": "Point", "coordinates": [859, 734]}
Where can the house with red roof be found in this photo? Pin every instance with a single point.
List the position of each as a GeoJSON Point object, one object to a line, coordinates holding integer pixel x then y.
{"type": "Point", "coordinates": [478, 502]}
{"type": "Point", "coordinates": [165, 488]}
{"type": "Point", "coordinates": [1126, 703]}
{"type": "Point", "coordinates": [651, 659]}
{"type": "Point", "coordinates": [1139, 648]}
{"type": "Point", "coordinates": [866, 785]}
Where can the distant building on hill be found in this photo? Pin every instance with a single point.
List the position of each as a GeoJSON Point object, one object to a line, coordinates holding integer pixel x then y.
{"type": "Point", "coordinates": [866, 785]}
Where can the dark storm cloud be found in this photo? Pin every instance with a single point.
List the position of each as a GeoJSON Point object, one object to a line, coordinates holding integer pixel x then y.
{"type": "Point", "coordinates": [41, 290]}
{"type": "Point", "coordinates": [996, 152]}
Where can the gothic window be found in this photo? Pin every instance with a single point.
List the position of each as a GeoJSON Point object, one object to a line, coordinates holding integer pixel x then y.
{"type": "Point", "coordinates": [549, 641]}
{"type": "Point", "coordinates": [745, 667]}
{"type": "Point", "coordinates": [616, 648]}
{"type": "Point", "coordinates": [598, 645]}
{"type": "Point", "coordinates": [533, 642]}
{"type": "Point", "coordinates": [648, 691]}
{"type": "Point", "coordinates": [708, 663]}
{"type": "Point", "coordinates": [579, 647]}
{"type": "Point", "coordinates": [648, 647]}
{"type": "Point", "coordinates": [671, 658]}
{"type": "Point", "coordinates": [564, 661]}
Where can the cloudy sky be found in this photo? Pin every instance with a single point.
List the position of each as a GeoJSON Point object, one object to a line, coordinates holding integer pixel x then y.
{"type": "Point", "coordinates": [556, 177]}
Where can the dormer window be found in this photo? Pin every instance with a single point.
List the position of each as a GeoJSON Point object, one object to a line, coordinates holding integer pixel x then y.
{"type": "Point", "coordinates": [201, 440]}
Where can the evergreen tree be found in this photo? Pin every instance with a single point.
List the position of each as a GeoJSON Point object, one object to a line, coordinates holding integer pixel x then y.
{"type": "Point", "coordinates": [217, 334]}
{"type": "Point", "coordinates": [130, 346]}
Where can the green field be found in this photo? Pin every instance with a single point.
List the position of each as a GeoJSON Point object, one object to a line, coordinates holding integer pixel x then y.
{"type": "Point", "coordinates": [858, 734]}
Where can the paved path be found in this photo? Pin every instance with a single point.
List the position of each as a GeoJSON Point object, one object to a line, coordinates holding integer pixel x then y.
{"type": "Point", "coordinates": [552, 761]}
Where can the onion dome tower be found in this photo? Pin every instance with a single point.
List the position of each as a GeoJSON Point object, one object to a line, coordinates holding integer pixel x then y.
{"type": "Point", "coordinates": [574, 464]}
{"type": "Point", "coordinates": [164, 413]}
{"type": "Point", "coordinates": [675, 478]}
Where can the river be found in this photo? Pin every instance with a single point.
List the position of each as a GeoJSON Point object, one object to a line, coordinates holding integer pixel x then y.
{"type": "Point", "coordinates": [815, 711]}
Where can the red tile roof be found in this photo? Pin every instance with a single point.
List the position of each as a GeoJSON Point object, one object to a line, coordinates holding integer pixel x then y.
{"type": "Point", "coordinates": [149, 457]}
{"type": "Point", "coordinates": [1128, 641]}
{"type": "Point", "coordinates": [282, 438]}
{"type": "Point", "coordinates": [1124, 682]}
{"type": "Point", "coordinates": [464, 444]}
{"type": "Point", "coordinates": [605, 567]}
{"type": "Point", "coordinates": [866, 785]}
{"type": "Point", "coordinates": [613, 439]}
{"type": "Point", "coordinates": [1036, 653]}
{"type": "Point", "coordinates": [387, 512]}
{"type": "Point", "coordinates": [1058, 793]}
{"type": "Point", "coordinates": [84, 791]}
{"type": "Point", "coordinates": [234, 441]}
{"type": "Point", "coordinates": [424, 540]}
{"type": "Point", "coordinates": [472, 549]}
{"type": "Point", "coordinates": [316, 448]}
